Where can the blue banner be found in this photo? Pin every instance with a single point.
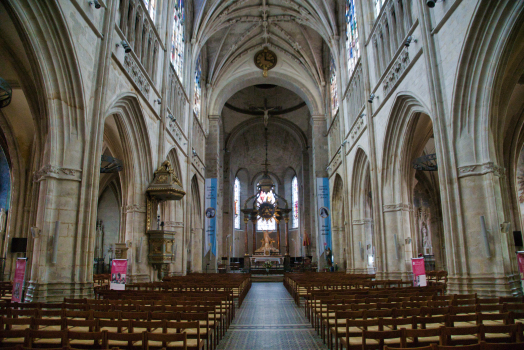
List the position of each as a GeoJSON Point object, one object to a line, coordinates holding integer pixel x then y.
{"type": "Point", "coordinates": [324, 214]}
{"type": "Point", "coordinates": [211, 212]}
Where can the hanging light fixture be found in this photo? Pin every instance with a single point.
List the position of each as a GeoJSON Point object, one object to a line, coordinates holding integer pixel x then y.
{"type": "Point", "coordinates": [5, 93]}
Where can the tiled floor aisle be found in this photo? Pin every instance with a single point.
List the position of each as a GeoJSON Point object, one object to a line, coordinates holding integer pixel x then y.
{"type": "Point", "coordinates": [270, 319]}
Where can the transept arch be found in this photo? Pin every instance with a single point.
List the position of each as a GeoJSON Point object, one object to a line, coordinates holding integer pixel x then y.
{"type": "Point", "coordinates": [408, 130]}
{"type": "Point", "coordinates": [126, 124]}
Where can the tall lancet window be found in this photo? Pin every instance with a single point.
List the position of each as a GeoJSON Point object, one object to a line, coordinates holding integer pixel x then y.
{"type": "Point", "coordinates": [263, 225]}
{"type": "Point", "coordinates": [294, 201]}
{"type": "Point", "coordinates": [377, 6]}
{"type": "Point", "coordinates": [151, 8]}
{"type": "Point", "coordinates": [352, 43]}
{"type": "Point", "coordinates": [237, 203]}
{"type": "Point", "coordinates": [178, 38]}
{"type": "Point", "coordinates": [198, 88]}
{"type": "Point", "coordinates": [333, 85]}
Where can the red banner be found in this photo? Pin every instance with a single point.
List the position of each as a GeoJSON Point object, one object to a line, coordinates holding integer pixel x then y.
{"type": "Point", "coordinates": [118, 274]}
{"type": "Point", "coordinates": [520, 260]}
{"type": "Point", "coordinates": [18, 282]}
{"type": "Point", "coordinates": [419, 272]}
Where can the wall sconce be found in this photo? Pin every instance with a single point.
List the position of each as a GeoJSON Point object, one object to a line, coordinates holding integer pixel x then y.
{"type": "Point", "coordinates": [159, 101]}
{"type": "Point", "coordinates": [371, 97]}
{"type": "Point", "coordinates": [431, 3]}
{"type": "Point", "coordinates": [409, 39]}
{"type": "Point", "coordinates": [96, 3]}
{"type": "Point", "coordinates": [125, 45]}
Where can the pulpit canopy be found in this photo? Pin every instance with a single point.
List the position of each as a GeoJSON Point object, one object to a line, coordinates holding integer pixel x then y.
{"type": "Point", "coordinates": [166, 185]}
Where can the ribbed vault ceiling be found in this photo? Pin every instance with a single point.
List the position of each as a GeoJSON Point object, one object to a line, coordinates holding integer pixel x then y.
{"type": "Point", "coordinates": [232, 29]}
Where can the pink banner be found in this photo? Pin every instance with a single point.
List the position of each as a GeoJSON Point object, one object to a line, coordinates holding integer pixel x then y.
{"type": "Point", "coordinates": [520, 260]}
{"type": "Point", "coordinates": [118, 274]}
{"type": "Point", "coordinates": [18, 282]}
{"type": "Point", "coordinates": [419, 272]}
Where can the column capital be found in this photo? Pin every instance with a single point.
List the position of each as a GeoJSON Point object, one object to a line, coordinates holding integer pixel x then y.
{"type": "Point", "coordinates": [318, 118]}
{"type": "Point", "coordinates": [215, 117]}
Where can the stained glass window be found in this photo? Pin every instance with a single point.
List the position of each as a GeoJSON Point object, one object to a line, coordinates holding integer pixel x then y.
{"type": "Point", "coordinates": [198, 88]}
{"type": "Point", "coordinates": [263, 225]}
{"type": "Point", "coordinates": [333, 85]}
{"type": "Point", "coordinates": [352, 43]}
{"type": "Point", "coordinates": [294, 201]}
{"type": "Point", "coordinates": [178, 38]}
{"type": "Point", "coordinates": [151, 8]}
{"type": "Point", "coordinates": [237, 203]}
{"type": "Point", "coordinates": [378, 6]}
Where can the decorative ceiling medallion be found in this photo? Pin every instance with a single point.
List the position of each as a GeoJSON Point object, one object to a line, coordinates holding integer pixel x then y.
{"type": "Point", "coordinates": [265, 60]}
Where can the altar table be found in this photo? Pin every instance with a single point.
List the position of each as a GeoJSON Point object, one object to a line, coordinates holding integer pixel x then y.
{"type": "Point", "coordinates": [262, 258]}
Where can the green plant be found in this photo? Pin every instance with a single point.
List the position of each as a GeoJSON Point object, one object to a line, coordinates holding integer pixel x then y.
{"type": "Point", "coordinates": [267, 265]}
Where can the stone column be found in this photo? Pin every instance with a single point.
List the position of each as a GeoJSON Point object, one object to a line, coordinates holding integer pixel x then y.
{"type": "Point", "coordinates": [477, 262]}
{"type": "Point", "coordinates": [305, 215]}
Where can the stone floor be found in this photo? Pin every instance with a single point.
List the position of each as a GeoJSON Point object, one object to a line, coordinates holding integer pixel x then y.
{"type": "Point", "coordinates": [270, 319]}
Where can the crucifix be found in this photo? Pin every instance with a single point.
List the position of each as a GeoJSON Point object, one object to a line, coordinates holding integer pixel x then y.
{"type": "Point", "coordinates": [266, 111]}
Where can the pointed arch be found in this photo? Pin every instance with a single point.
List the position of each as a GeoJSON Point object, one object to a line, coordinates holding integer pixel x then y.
{"type": "Point", "coordinates": [396, 160]}
{"type": "Point", "coordinates": [479, 91]}
{"type": "Point", "coordinates": [172, 157]}
{"type": "Point", "coordinates": [136, 144]}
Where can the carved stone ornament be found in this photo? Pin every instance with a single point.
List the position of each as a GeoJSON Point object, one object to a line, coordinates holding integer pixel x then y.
{"type": "Point", "coordinates": [397, 207]}
{"type": "Point", "coordinates": [396, 71]}
{"type": "Point", "coordinates": [56, 172]}
{"type": "Point", "coordinates": [136, 74]}
{"type": "Point", "coordinates": [481, 169]}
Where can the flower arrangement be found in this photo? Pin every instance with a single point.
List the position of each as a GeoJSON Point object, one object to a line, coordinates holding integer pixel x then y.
{"type": "Point", "coordinates": [267, 265]}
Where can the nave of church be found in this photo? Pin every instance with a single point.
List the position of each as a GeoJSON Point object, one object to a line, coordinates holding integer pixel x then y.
{"type": "Point", "coordinates": [207, 154]}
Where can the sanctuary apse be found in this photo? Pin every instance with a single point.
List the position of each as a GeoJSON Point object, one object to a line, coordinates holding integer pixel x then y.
{"type": "Point", "coordinates": [391, 128]}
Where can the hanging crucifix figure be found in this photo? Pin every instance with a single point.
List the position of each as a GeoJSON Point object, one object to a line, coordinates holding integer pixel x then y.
{"type": "Point", "coordinates": [266, 111]}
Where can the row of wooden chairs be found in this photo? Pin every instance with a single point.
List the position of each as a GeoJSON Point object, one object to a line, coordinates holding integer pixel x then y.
{"type": "Point", "coordinates": [381, 320]}
{"type": "Point", "coordinates": [480, 346]}
{"type": "Point", "coordinates": [412, 338]}
{"type": "Point", "coordinates": [218, 316]}
{"type": "Point", "coordinates": [197, 326]}
{"type": "Point", "coordinates": [330, 323]}
{"type": "Point", "coordinates": [31, 338]}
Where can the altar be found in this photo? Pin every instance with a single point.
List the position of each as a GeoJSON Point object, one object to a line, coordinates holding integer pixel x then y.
{"type": "Point", "coordinates": [262, 259]}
